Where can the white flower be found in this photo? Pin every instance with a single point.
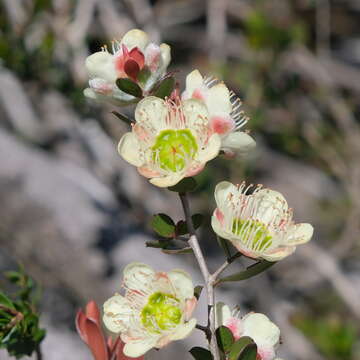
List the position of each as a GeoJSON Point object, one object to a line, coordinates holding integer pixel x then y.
{"type": "Point", "coordinates": [258, 327]}
{"type": "Point", "coordinates": [170, 140]}
{"type": "Point", "coordinates": [154, 311]}
{"type": "Point", "coordinates": [259, 225]}
{"type": "Point", "coordinates": [225, 115]}
{"type": "Point", "coordinates": [134, 57]}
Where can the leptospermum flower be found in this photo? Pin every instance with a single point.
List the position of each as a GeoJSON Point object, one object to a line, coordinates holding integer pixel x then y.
{"type": "Point", "coordinates": [260, 224]}
{"type": "Point", "coordinates": [170, 140]}
{"type": "Point", "coordinates": [225, 115]}
{"type": "Point", "coordinates": [88, 325]}
{"type": "Point", "coordinates": [258, 327]}
{"type": "Point", "coordinates": [133, 57]}
{"type": "Point", "coordinates": [155, 310]}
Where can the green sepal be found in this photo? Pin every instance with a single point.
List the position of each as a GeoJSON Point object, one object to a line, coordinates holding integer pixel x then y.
{"type": "Point", "coordinates": [163, 225]}
{"type": "Point", "coordinates": [129, 87]}
{"type": "Point", "coordinates": [238, 347]}
{"type": "Point", "coordinates": [143, 75]}
{"type": "Point", "coordinates": [250, 272]}
{"type": "Point", "coordinates": [165, 88]}
{"type": "Point", "coordinates": [187, 184]}
{"type": "Point", "coordinates": [199, 353]}
{"type": "Point", "coordinates": [224, 338]}
{"type": "Point", "coordinates": [181, 226]}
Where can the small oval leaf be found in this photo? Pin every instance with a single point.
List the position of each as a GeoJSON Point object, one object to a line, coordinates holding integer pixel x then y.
{"type": "Point", "coordinates": [163, 225]}
{"type": "Point", "coordinates": [238, 346]}
{"type": "Point", "coordinates": [224, 338]}
{"type": "Point", "coordinates": [130, 87]}
{"type": "Point", "coordinates": [199, 353]}
{"type": "Point", "coordinates": [248, 353]}
{"type": "Point", "coordinates": [165, 88]}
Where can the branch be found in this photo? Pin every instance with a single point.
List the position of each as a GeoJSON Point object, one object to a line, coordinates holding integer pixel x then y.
{"type": "Point", "coordinates": [194, 243]}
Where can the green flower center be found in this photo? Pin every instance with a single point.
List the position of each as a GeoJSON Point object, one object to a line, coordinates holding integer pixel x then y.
{"type": "Point", "coordinates": [253, 233]}
{"type": "Point", "coordinates": [161, 312]}
{"type": "Point", "coordinates": [173, 148]}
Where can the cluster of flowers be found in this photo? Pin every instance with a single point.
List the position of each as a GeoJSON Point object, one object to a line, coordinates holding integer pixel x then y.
{"type": "Point", "coordinates": [173, 138]}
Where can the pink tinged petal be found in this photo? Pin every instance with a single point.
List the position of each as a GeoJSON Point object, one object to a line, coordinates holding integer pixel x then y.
{"type": "Point", "coordinates": [147, 172]}
{"type": "Point", "coordinates": [190, 305]}
{"type": "Point", "coordinates": [211, 150]}
{"type": "Point", "coordinates": [195, 170]}
{"type": "Point", "coordinates": [166, 181]}
{"type": "Point", "coordinates": [279, 253]}
{"type": "Point", "coordinates": [194, 81]}
{"type": "Point", "coordinates": [222, 124]}
{"type": "Point", "coordinates": [138, 348]}
{"type": "Point", "coordinates": [235, 326]}
{"type": "Point", "coordinates": [137, 276]}
{"type": "Point", "coordinates": [198, 94]}
{"type": "Point", "coordinates": [220, 216]}
{"type": "Point", "coordinates": [184, 330]}
{"type": "Point", "coordinates": [152, 56]}
{"type": "Point", "coordinates": [138, 56]}
{"type": "Point", "coordinates": [182, 283]}
{"type": "Point", "coordinates": [101, 86]}
{"type": "Point", "coordinates": [165, 55]}
{"type": "Point", "coordinates": [238, 143]}
{"type": "Point", "coordinates": [266, 353]}
{"type": "Point", "coordinates": [131, 69]}
{"type": "Point", "coordinates": [218, 99]}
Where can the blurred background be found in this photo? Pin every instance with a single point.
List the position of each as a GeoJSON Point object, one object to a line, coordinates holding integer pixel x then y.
{"type": "Point", "coordinates": [74, 213]}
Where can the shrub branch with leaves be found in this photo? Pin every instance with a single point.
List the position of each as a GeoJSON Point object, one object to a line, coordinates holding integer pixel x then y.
{"type": "Point", "coordinates": [171, 139]}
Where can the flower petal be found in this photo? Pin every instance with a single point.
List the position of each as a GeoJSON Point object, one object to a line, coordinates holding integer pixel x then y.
{"type": "Point", "coordinates": [117, 313]}
{"type": "Point", "coordinates": [222, 313]}
{"type": "Point", "coordinates": [194, 80]}
{"type": "Point", "coordinates": [300, 234]}
{"type": "Point", "coordinates": [196, 113]}
{"type": "Point", "coordinates": [152, 111]}
{"type": "Point", "coordinates": [218, 99]}
{"type": "Point", "coordinates": [182, 283]}
{"type": "Point", "coordinates": [135, 38]}
{"type": "Point", "coordinates": [217, 227]}
{"type": "Point", "coordinates": [138, 276]}
{"type": "Point", "coordinates": [165, 55]}
{"type": "Point", "coordinates": [239, 142]}
{"type": "Point", "coordinates": [129, 149]}
{"type": "Point", "coordinates": [138, 348]}
{"type": "Point", "coordinates": [183, 330]}
{"type": "Point", "coordinates": [101, 65]}
{"type": "Point", "coordinates": [279, 253]}
{"type": "Point", "coordinates": [211, 150]}
{"type": "Point", "coordinates": [261, 330]}
{"type": "Point", "coordinates": [166, 181]}
{"type": "Point", "coordinates": [222, 191]}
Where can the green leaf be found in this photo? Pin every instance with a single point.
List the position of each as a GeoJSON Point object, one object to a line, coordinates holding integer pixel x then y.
{"type": "Point", "coordinates": [130, 87]}
{"type": "Point", "coordinates": [197, 291]}
{"type": "Point", "coordinates": [123, 118]}
{"type": "Point", "coordinates": [248, 353]}
{"type": "Point", "coordinates": [4, 300]}
{"type": "Point", "coordinates": [238, 346]}
{"type": "Point", "coordinates": [199, 353]}
{"type": "Point", "coordinates": [224, 338]}
{"type": "Point", "coordinates": [165, 88]}
{"type": "Point", "coordinates": [188, 184]}
{"type": "Point", "coordinates": [251, 271]}
{"type": "Point", "coordinates": [181, 226]}
{"type": "Point", "coordinates": [163, 225]}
